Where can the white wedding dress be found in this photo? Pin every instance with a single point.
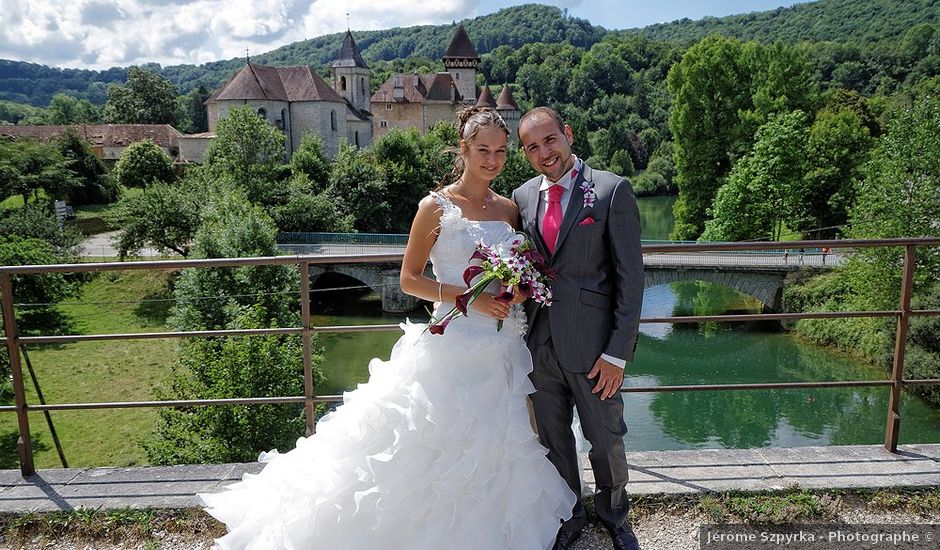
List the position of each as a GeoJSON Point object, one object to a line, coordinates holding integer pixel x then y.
{"type": "Point", "coordinates": [435, 451]}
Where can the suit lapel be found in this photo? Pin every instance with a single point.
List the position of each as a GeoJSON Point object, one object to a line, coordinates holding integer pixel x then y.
{"type": "Point", "coordinates": [575, 205]}
{"type": "Point", "coordinates": [532, 203]}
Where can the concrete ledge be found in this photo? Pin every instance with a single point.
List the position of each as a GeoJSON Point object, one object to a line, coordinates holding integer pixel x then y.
{"type": "Point", "coordinates": [652, 472]}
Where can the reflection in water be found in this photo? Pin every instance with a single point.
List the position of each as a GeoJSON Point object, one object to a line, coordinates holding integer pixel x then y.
{"type": "Point", "coordinates": [705, 353]}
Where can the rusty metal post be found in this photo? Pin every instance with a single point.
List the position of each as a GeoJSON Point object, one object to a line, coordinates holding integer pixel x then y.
{"type": "Point", "coordinates": [307, 337]}
{"type": "Point", "coordinates": [893, 427]}
{"type": "Point", "coordinates": [24, 445]}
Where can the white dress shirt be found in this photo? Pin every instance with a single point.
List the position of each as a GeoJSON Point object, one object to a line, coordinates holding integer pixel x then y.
{"type": "Point", "coordinates": [567, 182]}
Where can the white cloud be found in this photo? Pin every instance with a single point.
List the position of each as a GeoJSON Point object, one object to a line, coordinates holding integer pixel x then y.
{"type": "Point", "coordinates": [99, 34]}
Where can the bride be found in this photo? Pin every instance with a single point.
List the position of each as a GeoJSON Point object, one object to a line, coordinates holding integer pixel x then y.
{"type": "Point", "coordinates": [436, 450]}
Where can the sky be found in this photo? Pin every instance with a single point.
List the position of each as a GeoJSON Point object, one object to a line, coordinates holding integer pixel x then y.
{"type": "Point", "coordinates": [98, 34]}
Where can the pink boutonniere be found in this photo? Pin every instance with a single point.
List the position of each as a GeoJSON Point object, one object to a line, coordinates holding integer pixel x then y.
{"type": "Point", "coordinates": [589, 195]}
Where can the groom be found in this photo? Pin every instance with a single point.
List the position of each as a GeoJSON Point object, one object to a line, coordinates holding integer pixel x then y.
{"type": "Point", "coordinates": [586, 223]}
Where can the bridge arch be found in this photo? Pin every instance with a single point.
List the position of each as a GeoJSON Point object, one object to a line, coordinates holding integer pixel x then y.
{"type": "Point", "coordinates": [766, 287]}
{"type": "Point", "coordinates": [380, 278]}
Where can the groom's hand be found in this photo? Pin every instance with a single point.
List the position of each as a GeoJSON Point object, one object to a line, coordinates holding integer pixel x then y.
{"type": "Point", "coordinates": [609, 378]}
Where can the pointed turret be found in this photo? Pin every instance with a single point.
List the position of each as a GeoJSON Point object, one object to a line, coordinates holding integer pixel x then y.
{"type": "Point", "coordinates": [349, 55]}
{"type": "Point", "coordinates": [351, 75]}
{"type": "Point", "coordinates": [486, 98]}
{"type": "Point", "coordinates": [462, 62]}
{"type": "Point", "coordinates": [506, 101]}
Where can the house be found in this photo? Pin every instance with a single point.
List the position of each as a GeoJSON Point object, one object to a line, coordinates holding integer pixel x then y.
{"type": "Point", "coordinates": [108, 141]}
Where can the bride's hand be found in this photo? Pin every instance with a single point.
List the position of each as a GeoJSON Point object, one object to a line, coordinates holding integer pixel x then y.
{"type": "Point", "coordinates": [488, 304]}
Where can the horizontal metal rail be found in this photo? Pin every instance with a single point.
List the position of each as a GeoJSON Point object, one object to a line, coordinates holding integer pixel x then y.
{"type": "Point", "coordinates": [306, 331]}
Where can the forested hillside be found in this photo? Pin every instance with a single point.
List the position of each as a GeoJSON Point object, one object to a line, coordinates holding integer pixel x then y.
{"type": "Point", "coordinates": [859, 23]}
{"type": "Point", "coordinates": [852, 21]}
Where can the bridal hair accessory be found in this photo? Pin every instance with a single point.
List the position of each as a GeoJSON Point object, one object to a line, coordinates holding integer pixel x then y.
{"type": "Point", "coordinates": [516, 265]}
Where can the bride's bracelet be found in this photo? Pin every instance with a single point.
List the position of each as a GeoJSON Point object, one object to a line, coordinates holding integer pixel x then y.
{"type": "Point", "coordinates": [440, 292]}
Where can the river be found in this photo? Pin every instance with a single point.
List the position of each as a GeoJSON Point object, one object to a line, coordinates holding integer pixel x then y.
{"type": "Point", "coordinates": [707, 353]}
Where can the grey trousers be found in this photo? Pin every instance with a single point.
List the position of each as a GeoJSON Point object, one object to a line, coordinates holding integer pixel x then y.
{"type": "Point", "coordinates": [557, 393]}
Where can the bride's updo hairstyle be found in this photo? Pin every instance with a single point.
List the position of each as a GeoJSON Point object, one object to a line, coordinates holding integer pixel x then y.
{"type": "Point", "coordinates": [469, 123]}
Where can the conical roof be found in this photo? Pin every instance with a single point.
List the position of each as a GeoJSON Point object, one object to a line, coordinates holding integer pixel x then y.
{"type": "Point", "coordinates": [461, 46]}
{"type": "Point", "coordinates": [349, 54]}
{"type": "Point", "coordinates": [486, 98]}
{"type": "Point", "coordinates": [506, 100]}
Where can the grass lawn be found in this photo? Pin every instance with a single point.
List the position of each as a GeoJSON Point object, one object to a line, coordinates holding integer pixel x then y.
{"type": "Point", "coordinates": [100, 372]}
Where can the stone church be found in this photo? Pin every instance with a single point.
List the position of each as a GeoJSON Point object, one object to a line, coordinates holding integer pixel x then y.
{"type": "Point", "coordinates": [299, 102]}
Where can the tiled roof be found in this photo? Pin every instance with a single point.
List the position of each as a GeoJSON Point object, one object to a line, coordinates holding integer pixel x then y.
{"type": "Point", "coordinates": [461, 46]}
{"type": "Point", "coordinates": [486, 98]}
{"type": "Point", "coordinates": [102, 135]}
{"type": "Point", "coordinates": [506, 101]}
{"type": "Point", "coordinates": [417, 88]}
{"type": "Point", "coordinates": [349, 54]}
{"type": "Point", "coordinates": [260, 82]}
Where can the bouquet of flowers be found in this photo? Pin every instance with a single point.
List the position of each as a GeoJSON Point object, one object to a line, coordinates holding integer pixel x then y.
{"type": "Point", "coordinates": [516, 265]}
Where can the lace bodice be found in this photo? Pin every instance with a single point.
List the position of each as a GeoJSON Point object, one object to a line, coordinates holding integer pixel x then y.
{"type": "Point", "coordinates": [457, 241]}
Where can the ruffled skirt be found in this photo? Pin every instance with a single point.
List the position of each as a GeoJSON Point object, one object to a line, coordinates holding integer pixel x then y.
{"type": "Point", "coordinates": [435, 451]}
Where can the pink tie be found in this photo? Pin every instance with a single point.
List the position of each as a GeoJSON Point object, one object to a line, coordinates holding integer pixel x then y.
{"type": "Point", "coordinates": [551, 223]}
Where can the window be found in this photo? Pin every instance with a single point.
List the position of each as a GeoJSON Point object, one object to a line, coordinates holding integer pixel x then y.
{"type": "Point", "coordinates": [388, 106]}
{"type": "Point", "coordinates": [262, 113]}
{"type": "Point", "coordinates": [458, 76]}
{"type": "Point", "coordinates": [383, 124]}
{"type": "Point", "coordinates": [342, 84]}
{"type": "Point", "coordinates": [362, 85]}
{"type": "Point", "coordinates": [333, 120]}
{"type": "Point", "coordinates": [357, 138]}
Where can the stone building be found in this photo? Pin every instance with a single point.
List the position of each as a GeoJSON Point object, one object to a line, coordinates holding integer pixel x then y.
{"type": "Point", "coordinates": [422, 100]}
{"type": "Point", "coordinates": [299, 102]}
{"type": "Point", "coordinates": [107, 141]}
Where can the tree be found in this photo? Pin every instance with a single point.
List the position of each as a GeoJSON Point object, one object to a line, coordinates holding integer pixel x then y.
{"type": "Point", "coordinates": [37, 221]}
{"type": "Point", "coordinates": [406, 175]}
{"type": "Point", "coordinates": [763, 188]}
{"type": "Point", "coordinates": [306, 209]}
{"type": "Point", "coordinates": [195, 117]}
{"type": "Point", "coordinates": [28, 166]}
{"type": "Point", "coordinates": [232, 227]}
{"type": "Point", "coordinates": [358, 188]}
{"type": "Point", "coordinates": [248, 152]}
{"type": "Point", "coordinates": [310, 161]}
{"type": "Point", "coordinates": [147, 98]}
{"type": "Point", "coordinates": [837, 147]}
{"type": "Point", "coordinates": [143, 164]}
{"type": "Point", "coordinates": [94, 186]}
{"type": "Point", "coordinates": [166, 217]}
{"type": "Point", "coordinates": [516, 171]}
{"type": "Point", "coordinates": [65, 109]}
{"type": "Point", "coordinates": [621, 164]}
{"type": "Point", "coordinates": [898, 197]}
{"type": "Point", "coordinates": [46, 288]}
{"type": "Point", "coordinates": [255, 366]}
{"type": "Point", "coordinates": [233, 298]}
{"type": "Point", "coordinates": [709, 87]}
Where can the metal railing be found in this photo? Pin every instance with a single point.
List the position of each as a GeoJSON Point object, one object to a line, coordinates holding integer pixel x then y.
{"type": "Point", "coordinates": [896, 382]}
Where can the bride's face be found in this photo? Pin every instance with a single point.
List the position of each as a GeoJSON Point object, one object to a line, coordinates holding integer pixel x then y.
{"type": "Point", "coordinates": [485, 154]}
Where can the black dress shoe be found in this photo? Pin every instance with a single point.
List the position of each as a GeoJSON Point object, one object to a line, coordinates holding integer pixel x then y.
{"type": "Point", "coordinates": [623, 538]}
{"type": "Point", "coordinates": [566, 539]}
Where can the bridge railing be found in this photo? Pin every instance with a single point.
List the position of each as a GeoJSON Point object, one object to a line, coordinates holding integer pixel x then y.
{"type": "Point", "coordinates": [896, 382]}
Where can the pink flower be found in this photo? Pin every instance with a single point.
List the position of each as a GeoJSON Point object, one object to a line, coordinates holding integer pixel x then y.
{"type": "Point", "coordinates": [438, 328]}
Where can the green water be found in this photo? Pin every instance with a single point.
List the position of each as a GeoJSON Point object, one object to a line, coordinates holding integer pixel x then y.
{"type": "Point", "coordinates": [708, 353]}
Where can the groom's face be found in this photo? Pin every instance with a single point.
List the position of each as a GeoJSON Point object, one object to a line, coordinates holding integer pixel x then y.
{"type": "Point", "coordinates": [547, 146]}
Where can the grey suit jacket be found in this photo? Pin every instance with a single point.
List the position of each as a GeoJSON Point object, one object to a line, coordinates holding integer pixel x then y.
{"type": "Point", "coordinates": [598, 290]}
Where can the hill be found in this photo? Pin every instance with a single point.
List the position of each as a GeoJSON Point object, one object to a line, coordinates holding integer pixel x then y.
{"type": "Point", "coordinates": [515, 26]}
{"type": "Point", "coordinates": [846, 21]}
{"type": "Point", "coordinates": [862, 22]}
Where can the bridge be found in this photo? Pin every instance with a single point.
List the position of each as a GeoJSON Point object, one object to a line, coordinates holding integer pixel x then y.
{"type": "Point", "coordinates": [759, 274]}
